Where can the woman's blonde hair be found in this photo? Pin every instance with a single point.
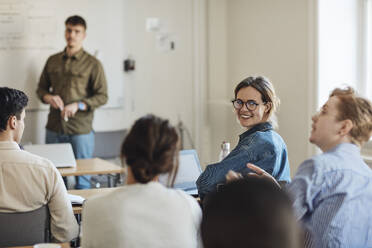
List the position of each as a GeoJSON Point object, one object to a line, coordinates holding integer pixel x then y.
{"type": "Point", "coordinates": [358, 110]}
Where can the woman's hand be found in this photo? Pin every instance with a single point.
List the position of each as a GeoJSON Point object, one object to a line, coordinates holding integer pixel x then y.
{"type": "Point", "coordinates": [232, 176]}
{"type": "Point", "coordinates": [260, 173]}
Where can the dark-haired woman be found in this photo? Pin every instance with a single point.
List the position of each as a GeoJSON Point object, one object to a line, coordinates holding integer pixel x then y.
{"type": "Point", "coordinates": [144, 213]}
{"type": "Point", "coordinates": [255, 104]}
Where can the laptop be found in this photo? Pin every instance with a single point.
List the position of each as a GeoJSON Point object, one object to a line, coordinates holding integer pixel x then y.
{"type": "Point", "coordinates": [188, 172]}
{"type": "Point", "coordinates": [61, 154]}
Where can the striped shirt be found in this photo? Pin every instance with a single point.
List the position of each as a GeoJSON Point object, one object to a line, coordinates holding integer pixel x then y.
{"type": "Point", "coordinates": [332, 195]}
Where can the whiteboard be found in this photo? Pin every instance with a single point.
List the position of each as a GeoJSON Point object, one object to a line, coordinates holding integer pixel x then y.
{"type": "Point", "coordinates": [32, 30]}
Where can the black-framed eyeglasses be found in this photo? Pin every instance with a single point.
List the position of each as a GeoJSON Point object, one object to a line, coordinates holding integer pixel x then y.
{"type": "Point", "coordinates": [250, 104]}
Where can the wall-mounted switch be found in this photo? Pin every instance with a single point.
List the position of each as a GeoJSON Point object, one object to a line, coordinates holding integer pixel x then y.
{"type": "Point", "coordinates": [129, 65]}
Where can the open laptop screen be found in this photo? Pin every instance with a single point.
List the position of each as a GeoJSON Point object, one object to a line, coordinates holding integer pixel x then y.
{"type": "Point", "coordinates": [60, 154]}
{"type": "Point", "coordinates": [188, 172]}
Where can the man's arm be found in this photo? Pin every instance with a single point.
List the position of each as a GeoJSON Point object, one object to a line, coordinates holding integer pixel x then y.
{"type": "Point", "coordinates": [215, 174]}
{"type": "Point", "coordinates": [63, 225]}
{"type": "Point", "coordinates": [43, 91]}
{"type": "Point", "coordinates": [98, 86]}
{"type": "Point", "coordinates": [304, 188]}
{"type": "Point", "coordinates": [97, 95]}
{"type": "Point", "coordinates": [44, 84]}
{"type": "Point", "coordinates": [54, 100]}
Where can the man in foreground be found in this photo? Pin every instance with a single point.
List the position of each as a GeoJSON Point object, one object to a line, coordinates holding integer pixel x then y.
{"type": "Point", "coordinates": [27, 181]}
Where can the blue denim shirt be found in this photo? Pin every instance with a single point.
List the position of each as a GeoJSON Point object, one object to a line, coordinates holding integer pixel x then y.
{"type": "Point", "coordinates": [260, 145]}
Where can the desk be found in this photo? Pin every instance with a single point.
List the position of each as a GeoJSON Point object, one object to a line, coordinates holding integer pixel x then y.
{"type": "Point", "coordinates": [87, 193]}
{"type": "Point", "coordinates": [92, 166]}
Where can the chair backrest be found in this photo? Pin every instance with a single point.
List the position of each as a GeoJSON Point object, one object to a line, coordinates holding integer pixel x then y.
{"type": "Point", "coordinates": [108, 144]}
{"type": "Point", "coordinates": [25, 228]}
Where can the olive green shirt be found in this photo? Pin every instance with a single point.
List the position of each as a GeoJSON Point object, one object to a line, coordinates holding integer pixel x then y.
{"type": "Point", "coordinates": [76, 78]}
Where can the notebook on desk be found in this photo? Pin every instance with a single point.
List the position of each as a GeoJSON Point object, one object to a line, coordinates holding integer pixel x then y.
{"type": "Point", "coordinates": [61, 154]}
{"type": "Point", "coordinates": [188, 172]}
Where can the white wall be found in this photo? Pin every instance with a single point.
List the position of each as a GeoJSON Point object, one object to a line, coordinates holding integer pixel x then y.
{"type": "Point", "coordinates": [263, 37]}
{"type": "Point", "coordinates": [163, 80]}
{"type": "Point", "coordinates": [219, 112]}
{"type": "Point", "coordinates": [34, 30]}
{"type": "Point", "coordinates": [256, 37]}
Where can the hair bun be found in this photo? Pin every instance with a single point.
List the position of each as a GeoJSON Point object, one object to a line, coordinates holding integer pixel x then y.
{"type": "Point", "coordinates": [150, 148]}
{"type": "Point", "coordinates": [143, 170]}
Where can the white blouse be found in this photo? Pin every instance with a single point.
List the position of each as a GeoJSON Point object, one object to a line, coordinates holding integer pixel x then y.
{"type": "Point", "coordinates": [141, 215]}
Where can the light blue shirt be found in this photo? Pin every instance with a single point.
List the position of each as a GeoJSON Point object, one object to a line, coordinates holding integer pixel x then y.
{"type": "Point", "coordinates": [332, 195]}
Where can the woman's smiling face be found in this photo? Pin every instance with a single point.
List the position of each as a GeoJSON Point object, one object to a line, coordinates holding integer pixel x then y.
{"type": "Point", "coordinates": [249, 118]}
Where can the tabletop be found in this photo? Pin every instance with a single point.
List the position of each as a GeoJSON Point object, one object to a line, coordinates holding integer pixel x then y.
{"type": "Point", "coordinates": [92, 166]}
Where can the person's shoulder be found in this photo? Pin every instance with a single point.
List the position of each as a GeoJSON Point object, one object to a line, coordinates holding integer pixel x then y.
{"type": "Point", "coordinates": [54, 60]}
{"type": "Point", "coordinates": [34, 160]}
{"type": "Point", "coordinates": [309, 163]}
{"type": "Point", "coordinates": [270, 135]}
{"type": "Point", "coordinates": [329, 161]}
{"type": "Point", "coordinates": [322, 164]}
{"type": "Point", "coordinates": [171, 193]}
{"type": "Point", "coordinates": [266, 138]}
{"type": "Point", "coordinates": [92, 59]}
{"type": "Point", "coordinates": [180, 195]}
{"type": "Point", "coordinates": [103, 200]}
{"type": "Point", "coordinates": [271, 139]}
{"type": "Point", "coordinates": [256, 143]}
{"type": "Point", "coordinates": [55, 56]}
{"type": "Point", "coordinates": [161, 191]}
{"type": "Point", "coordinates": [314, 168]}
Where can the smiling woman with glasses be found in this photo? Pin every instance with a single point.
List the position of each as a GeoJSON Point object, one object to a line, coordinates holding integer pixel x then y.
{"type": "Point", "coordinates": [255, 104]}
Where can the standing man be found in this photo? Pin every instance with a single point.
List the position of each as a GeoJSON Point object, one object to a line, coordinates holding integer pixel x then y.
{"type": "Point", "coordinates": [74, 84]}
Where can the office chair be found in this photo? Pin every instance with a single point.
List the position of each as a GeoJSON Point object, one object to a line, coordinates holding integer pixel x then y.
{"type": "Point", "coordinates": [25, 228]}
{"type": "Point", "coordinates": [107, 146]}
{"type": "Point", "coordinates": [108, 143]}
